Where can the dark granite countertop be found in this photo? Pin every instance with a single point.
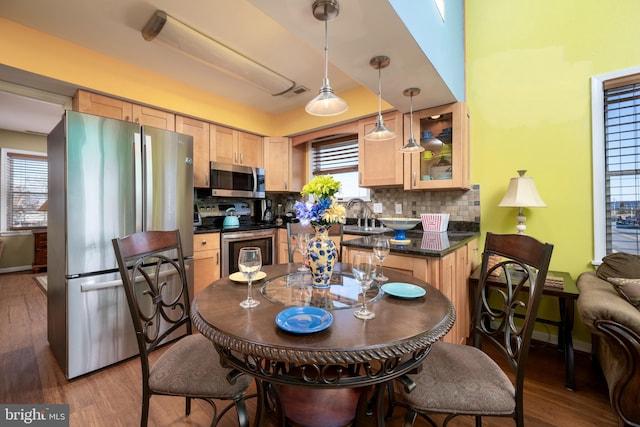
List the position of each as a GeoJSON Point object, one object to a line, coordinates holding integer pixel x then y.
{"type": "Point", "coordinates": [427, 244]}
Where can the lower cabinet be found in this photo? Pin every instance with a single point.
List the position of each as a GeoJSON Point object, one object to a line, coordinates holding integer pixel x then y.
{"type": "Point", "coordinates": [206, 260]}
{"type": "Point", "coordinates": [449, 274]}
{"type": "Point", "coordinates": [39, 250]}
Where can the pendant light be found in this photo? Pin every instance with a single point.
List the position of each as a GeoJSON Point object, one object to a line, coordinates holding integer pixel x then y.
{"type": "Point", "coordinates": [380, 132]}
{"type": "Point", "coordinates": [326, 103]}
{"type": "Point", "coordinates": [411, 146]}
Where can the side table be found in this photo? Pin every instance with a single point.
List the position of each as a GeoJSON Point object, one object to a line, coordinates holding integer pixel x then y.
{"type": "Point", "coordinates": [567, 296]}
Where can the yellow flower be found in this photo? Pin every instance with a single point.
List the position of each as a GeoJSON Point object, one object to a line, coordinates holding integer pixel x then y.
{"type": "Point", "coordinates": [334, 214]}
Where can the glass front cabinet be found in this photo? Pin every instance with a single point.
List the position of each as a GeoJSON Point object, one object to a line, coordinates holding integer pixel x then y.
{"type": "Point", "coordinates": [444, 164]}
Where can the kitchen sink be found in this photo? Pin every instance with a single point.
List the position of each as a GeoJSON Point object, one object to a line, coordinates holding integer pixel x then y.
{"type": "Point", "coordinates": [364, 231]}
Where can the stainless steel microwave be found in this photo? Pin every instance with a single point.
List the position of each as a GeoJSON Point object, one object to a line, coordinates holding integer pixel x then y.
{"type": "Point", "coordinates": [229, 180]}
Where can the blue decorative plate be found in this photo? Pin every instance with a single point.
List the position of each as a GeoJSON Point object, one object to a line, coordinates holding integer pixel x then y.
{"type": "Point", "coordinates": [304, 320]}
{"type": "Point", "coordinates": [403, 290]}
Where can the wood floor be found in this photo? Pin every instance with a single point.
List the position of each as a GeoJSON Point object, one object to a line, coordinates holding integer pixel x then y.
{"type": "Point", "coordinates": [111, 397]}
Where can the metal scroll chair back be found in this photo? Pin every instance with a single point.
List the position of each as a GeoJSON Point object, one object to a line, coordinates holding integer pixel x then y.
{"type": "Point", "coordinates": [153, 273]}
{"type": "Point", "coordinates": [463, 380]}
{"type": "Point", "coordinates": [294, 228]}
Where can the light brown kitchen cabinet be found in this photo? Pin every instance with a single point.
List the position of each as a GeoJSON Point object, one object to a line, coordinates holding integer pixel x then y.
{"type": "Point", "coordinates": [235, 147]}
{"type": "Point", "coordinates": [380, 163]}
{"type": "Point", "coordinates": [444, 133]}
{"type": "Point", "coordinates": [105, 106]}
{"type": "Point", "coordinates": [449, 274]}
{"type": "Point", "coordinates": [284, 165]}
{"type": "Point", "coordinates": [206, 260]}
{"type": "Point", "coordinates": [199, 130]}
{"type": "Point", "coordinates": [100, 105]}
{"type": "Point", "coordinates": [148, 116]}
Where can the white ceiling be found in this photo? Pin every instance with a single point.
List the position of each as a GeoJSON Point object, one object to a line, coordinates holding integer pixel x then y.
{"type": "Point", "coordinates": [280, 34]}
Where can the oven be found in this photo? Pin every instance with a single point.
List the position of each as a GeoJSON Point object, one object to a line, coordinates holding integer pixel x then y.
{"type": "Point", "coordinates": [233, 241]}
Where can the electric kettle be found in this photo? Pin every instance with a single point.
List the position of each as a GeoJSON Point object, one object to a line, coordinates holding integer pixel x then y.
{"type": "Point", "coordinates": [231, 220]}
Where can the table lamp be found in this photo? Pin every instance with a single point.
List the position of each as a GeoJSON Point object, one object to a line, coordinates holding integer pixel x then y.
{"type": "Point", "coordinates": [521, 194]}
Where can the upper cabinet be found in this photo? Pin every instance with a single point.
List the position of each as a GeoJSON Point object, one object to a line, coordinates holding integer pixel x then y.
{"type": "Point", "coordinates": [444, 133]}
{"type": "Point", "coordinates": [380, 162]}
{"type": "Point", "coordinates": [235, 147]}
{"type": "Point", "coordinates": [284, 165]}
{"type": "Point", "coordinates": [199, 130]}
{"type": "Point", "coordinates": [100, 105]}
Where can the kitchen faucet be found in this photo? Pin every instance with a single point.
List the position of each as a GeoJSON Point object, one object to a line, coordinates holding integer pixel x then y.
{"type": "Point", "coordinates": [367, 210]}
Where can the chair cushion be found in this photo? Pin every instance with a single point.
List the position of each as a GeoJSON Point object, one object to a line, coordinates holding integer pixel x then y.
{"type": "Point", "coordinates": [619, 264]}
{"type": "Point", "coordinates": [191, 367]}
{"type": "Point", "coordinates": [628, 289]}
{"type": "Point", "coordinates": [461, 379]}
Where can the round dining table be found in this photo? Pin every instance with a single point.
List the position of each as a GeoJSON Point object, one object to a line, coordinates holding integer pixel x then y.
{"type": "Point", "coordinates": [337, 352]}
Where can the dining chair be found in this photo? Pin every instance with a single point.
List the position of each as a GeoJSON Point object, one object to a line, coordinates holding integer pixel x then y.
{"type": "Point", "coordinates": [294, 228]}
{"type": "Point", "coordinates": [153, 273]}
{"type": "Point", "coordinates": [458, 379]}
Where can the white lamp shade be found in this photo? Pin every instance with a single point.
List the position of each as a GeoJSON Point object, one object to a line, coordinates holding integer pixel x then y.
{"type": "Point", "coordinates": [522, 193]}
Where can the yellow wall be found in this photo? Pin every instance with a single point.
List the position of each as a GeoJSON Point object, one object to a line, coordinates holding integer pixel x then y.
{"type": "Point", "coordinates": [39, 53]}
{"type": "Point", "coordinates": [528, 88]}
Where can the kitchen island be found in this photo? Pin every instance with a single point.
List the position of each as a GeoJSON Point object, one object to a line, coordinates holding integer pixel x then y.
{"type": "Point", "coordinates": [444, 260]}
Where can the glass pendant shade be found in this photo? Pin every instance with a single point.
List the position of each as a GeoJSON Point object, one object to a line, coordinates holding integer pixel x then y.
{"type": "Point", "coordinates": [380, 132]}
{"type": "Point", "coordinates": [326, 103]}
{"type": "Point", "coordinates": [411, 146]}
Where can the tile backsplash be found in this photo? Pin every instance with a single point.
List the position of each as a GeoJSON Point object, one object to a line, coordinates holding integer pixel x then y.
{"type": "Point", "coordinates": [461, 205]}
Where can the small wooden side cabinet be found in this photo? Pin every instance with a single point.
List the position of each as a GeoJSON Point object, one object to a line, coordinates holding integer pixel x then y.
{"type": "Point", "coordinates": [40, 250]}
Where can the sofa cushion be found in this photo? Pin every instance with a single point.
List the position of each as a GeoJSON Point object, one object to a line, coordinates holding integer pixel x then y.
{"type": "Point", "coordinates": [628, 289]}
{"type": "Point", "coordinates": [620, 265]}
{"type": "Point", "coordinates": [598, 300]}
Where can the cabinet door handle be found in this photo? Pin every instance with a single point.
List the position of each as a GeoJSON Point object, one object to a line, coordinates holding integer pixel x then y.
{"type": "Point", "coordinates": [206, 179]}
{"type": "Point", "coordinates": [204, 242]}
{"type": "Point", "coordinates": [217, 258]}
{"type": "Point", "coordinates": [235, 157]}
{"type": "Point", "coordinates": [241, 158]}
{"type": "Point", "coordinates": [286, 187]}
{"type": "Point", "coordinates": [414, 178]}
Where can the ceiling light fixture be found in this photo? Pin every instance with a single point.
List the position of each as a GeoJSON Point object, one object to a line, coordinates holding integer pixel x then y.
{"type": "Point", "coordinates": [187, 41]}
{"type": "Point", "coordinates": [380, 132]}
{"type": "Point", "coordinates": [411, 146]}
{"type": "Point", "coordinates": [326, 103]}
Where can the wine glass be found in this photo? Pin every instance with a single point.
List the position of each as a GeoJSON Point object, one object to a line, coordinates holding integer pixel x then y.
{"type": "Point", "coordinates": [363, 267]}
{"type": "Point", "coordinates": [302, 241]}
{"type": "Point", "coordinates": [249, 263]}
{"type": "Point", "coordinates": [381, 250]}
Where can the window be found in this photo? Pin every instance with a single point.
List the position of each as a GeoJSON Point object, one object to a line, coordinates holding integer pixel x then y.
{"type": "Point", "coordinates": [616, 162]}
{"type": "Point", "coordinates": [25, 189]}
{"type": "Point", "coordinates": [338, 156]}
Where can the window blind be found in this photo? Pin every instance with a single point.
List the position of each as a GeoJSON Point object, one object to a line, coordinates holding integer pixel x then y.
{"type": "Point", "coordinates": [27, 191]}
{"type": "Point", "coordinates": [335, 155]}
{"type": "Point", "coordinates": [622, 164]}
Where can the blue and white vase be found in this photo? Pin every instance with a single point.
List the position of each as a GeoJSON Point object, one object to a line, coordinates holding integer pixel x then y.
{"type": "Point", "coordinates": [322, 257]}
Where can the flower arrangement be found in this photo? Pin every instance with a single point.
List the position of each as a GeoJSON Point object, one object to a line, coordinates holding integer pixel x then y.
{"type": "Point", "coordinates": [325, 209]}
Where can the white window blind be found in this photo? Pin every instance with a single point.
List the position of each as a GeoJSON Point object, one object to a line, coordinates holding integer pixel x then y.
{"type": "Point", "coordinates": [27, 191]}
{"type": "Point", "coordinates": [622, 164]}
{"type": "Point", "coordinates": [335, 155]}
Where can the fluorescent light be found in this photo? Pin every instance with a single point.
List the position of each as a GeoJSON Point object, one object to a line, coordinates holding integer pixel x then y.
{"type": "Point", "coordinates": [187, 41]}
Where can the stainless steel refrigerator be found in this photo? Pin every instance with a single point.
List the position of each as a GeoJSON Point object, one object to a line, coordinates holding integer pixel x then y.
{"type": "Point", "coordinates": [107, 178]}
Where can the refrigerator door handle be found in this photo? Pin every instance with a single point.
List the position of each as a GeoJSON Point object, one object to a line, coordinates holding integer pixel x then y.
{"type": "Point", "coordinates": [137, 156]}
{"type": "Point", "coordinates": [148, 181]}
